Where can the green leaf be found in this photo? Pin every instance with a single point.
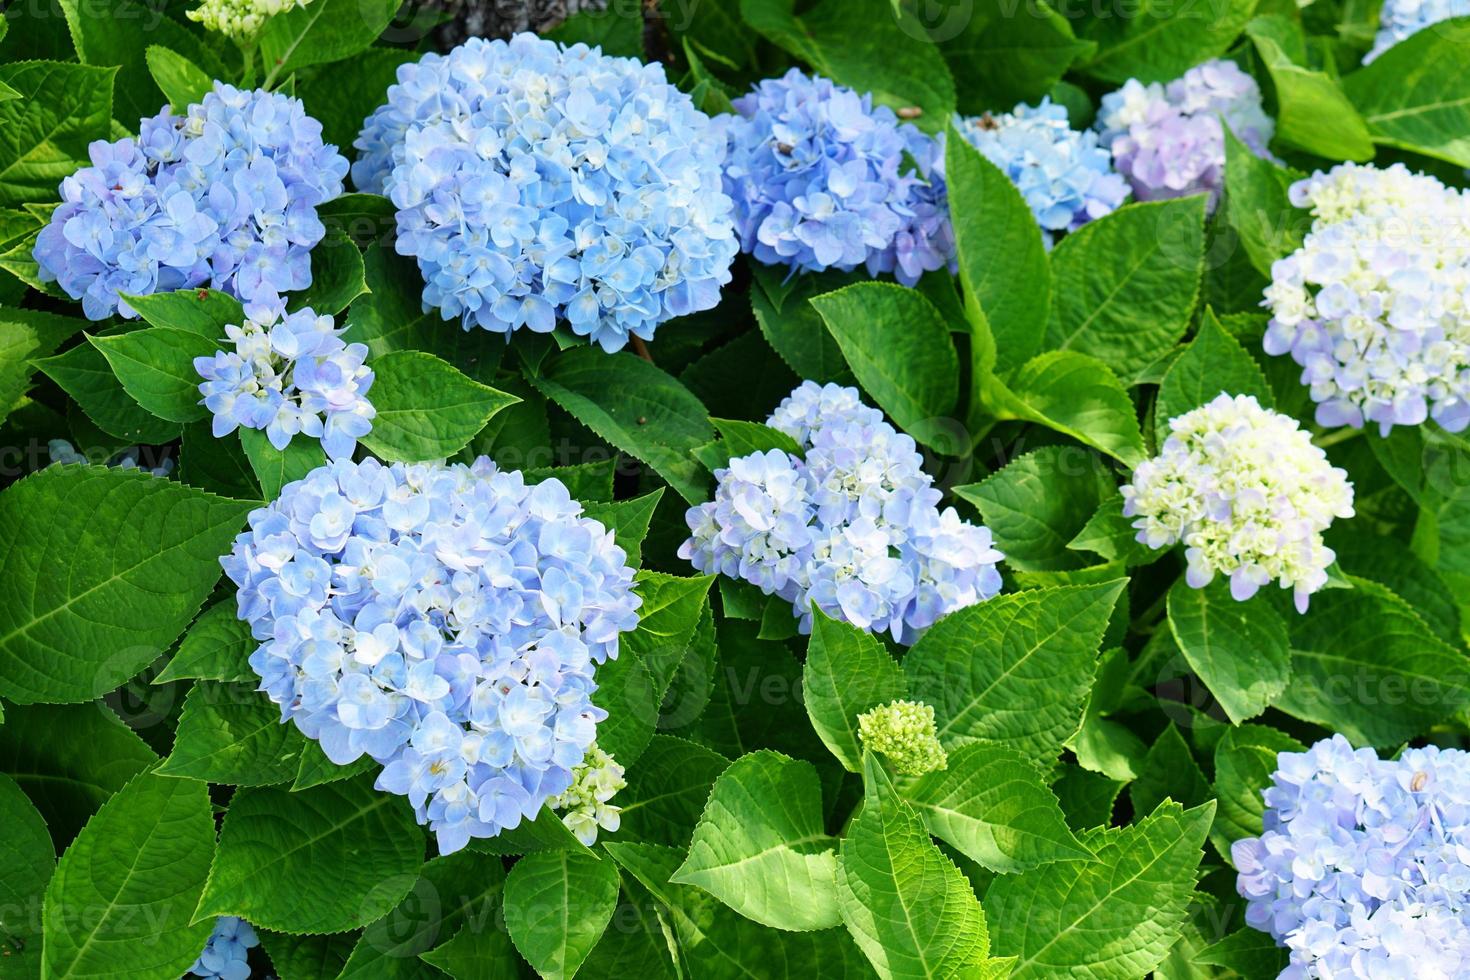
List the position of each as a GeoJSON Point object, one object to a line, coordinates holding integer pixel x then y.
{"type": "Point", "coordinates": [1244, 762]}
{"type": "Point", "coordinates": [391, 318]}
{"type": "Point", "coordinates": [26, 335]}
{"type": "Point", "coordinates": [84, 374]}
{"type": "Point", "coordinates": [900, 350]}
{"type": "Point", "coordinates": [478, 954]}
{"type": "Point", "coordinates": [791, 325]}
{"type": "Point", "coordinates": [275, 468]}
{"type": "Point", "coordinates": [327, 859]}
{"type": "Point", "coordinates": [1413, 96]}
{"type": "Point", "coordinates": [44, 133]}
{"type": "Point", "coordinates": [1248, 952]}
{"type": "Point", "coordinates": [545, 833]}
{"type": "Point", "coordinates": [1115, 917]}
{"type": "Point", "coordinates": [1392, 563]}
{"type": "Point", "coordinates": [69, 759]}
{"type": "Point", "coordinates": [119, 33]}
{"type": "Point", "coordinates": [557, 904]}
{"type": "Point", "coordinates": [1159, 41]}
{"type": "Point", "coordinates": [627, 519]}
{"type": "Point", "coordinates": [640, 944]}
{"type": "Point", "coordinates": [337, 276]}
{"type": "Point", "coordinates": [458, 893]}
{"type": "Point", "coordinates": [1258, 206]}
{"type": "Point", "coordinates": [1001, 56]}
{"type": "Point", "coordinates": [992, 805]}
{"type": "Point", "coordinates": [182, 81]}
{"type": "Point", "coordinates": [847, 672]}
{"type": "Point", "coordinates": [890, 57]}
{"type": "Point", "coordinates": [216, 465]}
{"type": "Point", "coordinates": [1087, 797]}
{"type": "Point", "coordinates": [1312, 112]}
{"type": "Point", "coordinates": [325, 31]}
{"type": "Point", "coordinates": [632, 687]}
{"type": "Point", "coordinates": [760, 847]}
{"type": "Point", "coordinates": [1003, 263]}
{"type": "Point", "coordinates": [205, 312]}
{"type": "Point", "coordinates": [714, 941]}
{"type": "Point", "coordinates": [1168, 772]}
{"type": "Point", "coordinates": [1039, 503]}
{"type": "Point", "coordinates": [307, 956]}
{"type": "Point", "coordinates": [636, 407]}
{"type": "Point", "coordinates": [347, 94]}
{"type": "Point", "coordinates": [1213, 363]}
{"type": "Point", "coordinates": [156, 367]}
{"type": "Point", "coordinates": [1239, 649]}
{"type": "Point", "coordinates": [1015, 669]}
{"type": "Point", "coordinates": [1125, 285]}
{"type": "Point", "coordinates": [27, 861]}
{"type": "Point", "coordinates": [427, 408]}
{"type": "Point", "coordinates": [1078, 396]}
{"type": "Point", "coordinates": [316, 769]}
{"type": "Point", "coordinates": [1364, 664]}
{"type": "Point", "coordinates": [667, 790]}
{"type": "Point", "coordinates": [232, 734]}
{"type": "Point", "coordinates": [102, 570]}
{"type": "Point", "coordinates": [908, 907]}
{"type": "Point", "coordinates": [739, 438]}
{"type": "Point", "coordinates": [1111, 535]}
{"type": "Point", "coordinates": [136, 869]}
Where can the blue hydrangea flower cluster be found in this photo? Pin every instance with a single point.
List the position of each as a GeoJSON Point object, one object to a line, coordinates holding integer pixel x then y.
{"type": "Point", "coordinates": [822, 179]}
{"type": "Point", "coordinates": [224, 196]}
{"type": "Point", "coordinates": [536, 183]}
{"type": "Point", "coordinates": [1064, 175]}
{"type": "Point", "coordinates": [1364, 866]}
{"type": "Point", "coordinates": [63, 453]}
{"type": "Point", "coordinates": [289, 373]}
{"type": "Point", "coordinates": [854, 527]}
{"type": "Point", "coordinates": [1398, 19]}
{"type": "Point", "coordinates": [226, 954]}
{"type": "Point", "coordinates": [1169, 141]}
{"type": "Point", "coordinates": [1372, 305]}
{"type": "Point", "coordinates": [445, 620]}
{"type": "Point", "coordinates": [1249, 495]}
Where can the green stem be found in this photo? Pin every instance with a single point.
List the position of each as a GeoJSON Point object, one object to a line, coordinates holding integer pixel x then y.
{"type": "Point", "coordinates": [248, 74]}
{"type": "Point", "coordinates": [1326, 439]}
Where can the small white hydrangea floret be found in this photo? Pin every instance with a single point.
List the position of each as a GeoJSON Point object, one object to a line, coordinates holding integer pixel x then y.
{"type": "Point", "coordinates": [1248, 494]}
{"type": "Point", "coordinates": [584, 806]}
{"type": "Point", "coordinates": [1375, 304]}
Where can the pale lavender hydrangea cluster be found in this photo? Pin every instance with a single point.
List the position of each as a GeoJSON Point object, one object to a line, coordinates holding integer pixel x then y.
{"type": "Point", "coordinates": [1066, 178]}
{"type": "Point", "coordinates": [445, 620]}
{"type": "Point", "coordinates": [537, 183]}
{"type": "Point", "coordinates": [1399, 19]}
{"type": "Point", "coordinates": [226, 954]}
{"type": "Point", "coordinates": [224, 196]}
{"type": "Point", "coordinates": [289, 373]}
{"type": "Point", "coordinates": [824, 179]}
{"type": "Point", "coordinates": [1248, 494]}
{"type": "Point", "coordinates": [1168, 140]}
{"type": "Point", "coordinates": [1364, 867]}
{"type": "Point", "coordinates": [1375, 304]}
{"type": "Point", "coordinates": [854, 527]}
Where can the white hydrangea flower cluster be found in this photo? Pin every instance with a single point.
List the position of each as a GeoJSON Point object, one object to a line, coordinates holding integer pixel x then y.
{"type": "Point", "coordinates": [854, 527]}
{"type": "Point", "coordinates": [1375, 304]}
{"type": "Point", "coordinates": [1249, 495]}
{"type": "Point", "coordinates": [584, 806]}
{"type": "Point", "coordinates": [240, 20]}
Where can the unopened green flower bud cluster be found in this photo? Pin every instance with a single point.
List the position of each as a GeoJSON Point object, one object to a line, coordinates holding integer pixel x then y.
{"type": "Point", "coordinates": [240, 20]}
{"type": "Point", "coordinates": [585, 807]}
{"type": "Point", "coordinates": [904, 732]}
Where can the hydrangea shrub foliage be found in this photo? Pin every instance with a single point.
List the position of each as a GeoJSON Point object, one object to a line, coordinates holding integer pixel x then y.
{"type": "Point", "coordinates": [849, 488]}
